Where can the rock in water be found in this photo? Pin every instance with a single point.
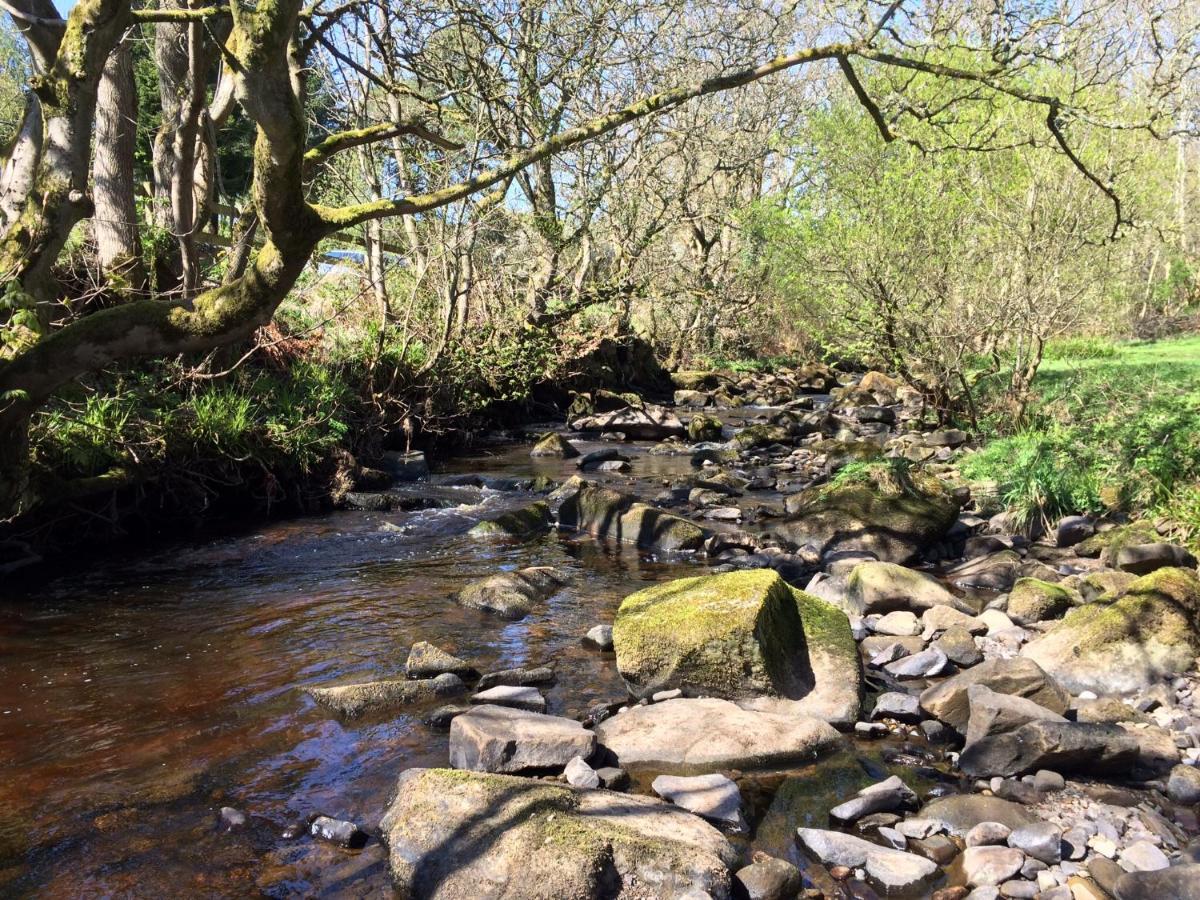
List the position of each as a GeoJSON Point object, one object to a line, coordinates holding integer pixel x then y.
{"type": "Point", "coordinates": [1059, 746]}
{"type": "Point", "coordinates": [517, 677]}
{"type": "Point", "coordinates": [425, 661]}
{"type": "Point", "coordinates": [529, 698]}
{"type": "Point", "coordinates": [948, 701]}
{"type": "Point", "coordinates": [650, 423]}
{"type": "Point", "coordinates": [554, 445]}
{"type": "Point", "coordinates": [356, 699]}
{"type": "Point", "coordinates": [528, 521]}
{"type": "Point", "coordinates": [460, 836]}
{"type": "Point", "coordinates": [600, 637]}
{"type": "Point", "coordinates": [891, 513]}
{"type": "Point", "coordinates": [894, 871]}
{"type": "Point", "coordinates": [512, 594]}
{"type": "Point", "coordinates": [769, 878]}
{"type": "Point", "coordinates": [1146, 635]}
{"type": "Point", "coordinates": [614, 516]}
{"type": "Point", "coordinates": [338, 831]}
{"type": "Point", "coordinates": [739, 635]}
{"type": "Point", "coordinates": [713, 797]}
{"type": "Point", "coordinates": [501, 739]}
{"type": "Point", "coordinates": [695, 736]}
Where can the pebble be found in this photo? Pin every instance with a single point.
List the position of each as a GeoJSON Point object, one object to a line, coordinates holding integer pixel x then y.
{"type": "Point", "coordinates": [338, 831]}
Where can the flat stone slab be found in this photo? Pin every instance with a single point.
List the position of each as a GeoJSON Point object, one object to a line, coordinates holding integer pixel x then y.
{"type": "Point", "coordinates": [713, 797]}
{"type": "Point", "coordinates": [502, 739]}
{"type": "Point", "coordinates": [687, 736]}
{"type": "Point", "coordinates": [894, 871]}
{"type": "Point", "coordinates": [356, 699]}
{"type": "Point", "coordinates": [464, 835]}
{"type": "Point", "coordinates": [529, 698]}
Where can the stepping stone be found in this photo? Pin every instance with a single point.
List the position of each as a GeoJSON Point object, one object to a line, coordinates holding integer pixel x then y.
{"type": "Point", "coordinates": [529, 698]}
{"type": "Point", "coordinates": [502, 739]}
{"type": "Point", "coordinates": [425, 661]}
{"type": "Point", "coordinates": [713, 797]}
{"type": "Point", "coordinates": [895, 871]}
{"type": "Point", "coordinates": [685, 735]}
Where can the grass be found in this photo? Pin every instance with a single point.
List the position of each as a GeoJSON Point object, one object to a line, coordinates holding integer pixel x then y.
{"type": "Point", "coordinates": [1106, 432]}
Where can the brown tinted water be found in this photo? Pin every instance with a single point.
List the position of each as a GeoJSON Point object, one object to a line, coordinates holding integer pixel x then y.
{"type": "Point", "coordinates": [144, 692]}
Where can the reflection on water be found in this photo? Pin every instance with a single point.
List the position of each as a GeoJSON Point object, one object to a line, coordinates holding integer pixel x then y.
{"type": "Point", "coordinates": [139, 697]}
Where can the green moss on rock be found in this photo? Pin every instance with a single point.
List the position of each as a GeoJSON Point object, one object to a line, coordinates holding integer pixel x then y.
{"type": "Point", "coordinates": [1107, 544]}
{"type": "Point", "coordinates": [761, 436]}
{"type": "Point", "coordinates": [1148, 634]}
{"type": "Point", "coordinates": [736, 635]}
{"type": "Point", "coordinates": [525, 522]}
{"type": "Point", "coordinates": [884, 509]}
{"type": "Point", "coordinates": [1033, 600]}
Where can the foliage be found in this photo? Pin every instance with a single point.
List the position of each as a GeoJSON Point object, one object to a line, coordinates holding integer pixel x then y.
{"type": "Point", "coordinates": [1118, 431]}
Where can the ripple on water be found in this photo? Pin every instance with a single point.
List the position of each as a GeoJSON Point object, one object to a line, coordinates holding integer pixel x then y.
{"type": "Point", "coordinates": [142, 694]}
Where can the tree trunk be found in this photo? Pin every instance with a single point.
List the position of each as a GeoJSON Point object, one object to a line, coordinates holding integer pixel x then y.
{"type": "Point", "coordinates": [115, 224]}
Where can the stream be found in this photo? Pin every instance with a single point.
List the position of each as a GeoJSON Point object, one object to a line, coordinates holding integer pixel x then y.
{"type": "Point", "coordinates": [144, 693]}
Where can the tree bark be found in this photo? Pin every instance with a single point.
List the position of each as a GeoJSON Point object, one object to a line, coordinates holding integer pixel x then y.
{"type": "Point", "coordinates": [115, 224]}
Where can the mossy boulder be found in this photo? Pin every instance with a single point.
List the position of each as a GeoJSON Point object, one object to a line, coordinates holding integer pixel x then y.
{"type": "Point", "coordinates": [1033, 600]}
{"type": "Point", "coordinates": [511, 595]}
{"type": "Point", "coordinates": [761, 435]}
{"type": "Point", "coordinates": [883, 509]}
{"type": "Point", "coordinates": [525, 522]}
{"type": "Point", "coordinates": [1108, 543]}
{"type": "Point", "coordinates": [463, 835]}
{"type": "Point", "coordinates": [617, 517]}
{"type": "Point", "coordinates": [697, 381]}
{"type": "Point", "coordinates": [1147, 635]}
{"type": "Point", "coordinates": [738, 635]}
{"type": "Point", "coordinates": [554, 446]}
{"type": "Point", "coordinates": [704, 428]}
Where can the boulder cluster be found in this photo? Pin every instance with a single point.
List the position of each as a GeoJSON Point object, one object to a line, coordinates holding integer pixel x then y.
{"type": "Point", "coordinates": [1036, 696]}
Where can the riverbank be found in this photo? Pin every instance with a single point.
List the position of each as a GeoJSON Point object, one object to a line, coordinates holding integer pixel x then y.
{"type": "Point", "coordinates": [191, 743]}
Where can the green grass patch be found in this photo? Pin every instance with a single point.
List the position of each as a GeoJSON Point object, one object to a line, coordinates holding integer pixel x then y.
{"type": "Point", "coordinates": [1106, 432]}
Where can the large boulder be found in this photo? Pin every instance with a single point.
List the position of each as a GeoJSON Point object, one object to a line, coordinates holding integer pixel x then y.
{"type": "Point", "coordinates": [883, 509]}
{"type": "Point", "coordinates": [949, 701]}
{"type": "Point", "coordinates": [1058, 746]}
{"type": "Point", "coordinates": [1146, 635]}
{"type": "Point", "coordinates": [511, 595]}
{"type": "Point", "coordinates": [881, 587]}
{"type": "Point", "coordinates": [505, 739]}
{"type": "Point", "coordinates": [738, 635]}
{"type": "Point", "coordinates": [692, 736]}
{"type": "Point", "coordinates": [647, 423]}
{"type": "Point", "coordinates": [1033, 600]}
{"type": "Point", "coordinates": [617, 517]}
{"type": "Point", "coordinates": [1181, 882]}
{"type": "Point", "coordinates": [467, 836]}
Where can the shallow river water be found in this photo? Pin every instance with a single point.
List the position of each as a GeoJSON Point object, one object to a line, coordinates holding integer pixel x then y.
{"type": "Point", "coordinates": [144, 692]}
